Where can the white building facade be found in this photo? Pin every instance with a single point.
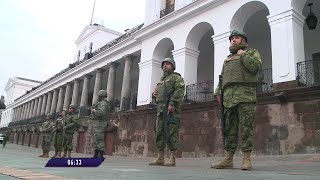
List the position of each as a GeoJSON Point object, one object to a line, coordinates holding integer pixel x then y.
{"type": "Point", "coordinates": [195, 33]}
{"type": "Point", "coordinates": [15, 88]}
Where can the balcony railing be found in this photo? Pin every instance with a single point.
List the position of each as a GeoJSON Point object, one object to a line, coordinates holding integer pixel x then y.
{"type": "Point", "coordinates": [265, 81]}
{"type": "Point", "coordinates": [167, 10]}
{"type": "Point", "coordinates": [200, 92]}
{"type": "Point", "coordinates": [308, 73]}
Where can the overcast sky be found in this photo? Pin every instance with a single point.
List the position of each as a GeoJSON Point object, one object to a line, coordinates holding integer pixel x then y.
{"type": "Point", "coordinates": [38, 36]}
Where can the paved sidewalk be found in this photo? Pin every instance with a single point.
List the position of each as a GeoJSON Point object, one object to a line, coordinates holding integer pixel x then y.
{"type": "Point", "coordinates": [21, 162]}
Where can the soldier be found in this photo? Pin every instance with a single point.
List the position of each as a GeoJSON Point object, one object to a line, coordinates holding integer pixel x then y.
{"type": "Point", "coordinates": [58, 138]}
{"type": "Point", "coordinates": [168, 94]}
{"type": "Point", "coordinates": [5, 139]}
{"type": "Point", "coordinates": [240, 74]}
{"type": "Point", "coordinates": [69, 129]}
{"type": "Point", "coordinates": [46, 131]}
{"type": "Point", "coordinates": [100, 119]}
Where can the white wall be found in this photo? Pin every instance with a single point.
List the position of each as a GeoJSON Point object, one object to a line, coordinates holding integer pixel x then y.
{"type": "Point", "coordinates": [98, 37]}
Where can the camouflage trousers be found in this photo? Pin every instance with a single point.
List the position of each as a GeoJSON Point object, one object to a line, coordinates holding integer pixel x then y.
{"type": "Point", "coordinates": [239, 116]}
{"type": "Point", "coordinates": [67, 142]}
{"type": "Point", "coordinates": [58, 140]}
{"type": "Point", "coordinates": [46, 142]}
{"type": "Point", "coordinates": [98, 128]}
{"type": "Point", "coordinates": [172, 132]}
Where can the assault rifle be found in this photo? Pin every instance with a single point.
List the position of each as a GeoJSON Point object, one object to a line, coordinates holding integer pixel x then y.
{"type": "Point", "coordinates": [166, 116]}
{"type": "Point", "coordinates": [223, 128]}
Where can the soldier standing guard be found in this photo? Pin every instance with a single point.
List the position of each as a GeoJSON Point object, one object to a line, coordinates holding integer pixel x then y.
{"type": "Point", "coordinates": [240, 75]}
{"type": "Point", "coordinates": [5, 139]}
{"type": "Point", "coordinates": [69, 129]}
{"type": "Point", "coordinates": [46, 131]}
{"type": "Point", "coordinates": [169, 94]}
{"type": "Point", "coordinates": [99, 120]}
{"type": "Point", "coordinates": [58, 138]}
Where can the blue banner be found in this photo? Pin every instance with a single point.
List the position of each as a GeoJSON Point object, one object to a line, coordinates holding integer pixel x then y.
{"type": "Point", "coordinates": [74, 162]}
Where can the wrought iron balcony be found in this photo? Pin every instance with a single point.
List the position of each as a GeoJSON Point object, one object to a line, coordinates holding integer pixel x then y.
{"type": "Point", "coordinates": [265, 81]}
{"type": "Point", "coordinates": [167, 10]}
{"type": "Point", "coordinates": [308, 73]}
{"type": "Point", "coordinates": [200, 92]}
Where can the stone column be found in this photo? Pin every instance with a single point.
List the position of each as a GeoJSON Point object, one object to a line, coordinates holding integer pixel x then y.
{"type": "Point", "coordinates": [43, 105]}
{"type": "Point", "coordinates": [67, 97]}
{"type": "Point", "coordinates": [287, 44]}
{"type": "Point", "coordinates": [187, 64]}
{"type": "Point", "coordinates": [97, 85]}
{"type": "Point", "coordinates": [35, 107]}
{"type": "Point", "coordinates": [75, 93]}
{"type": "Point", "coordinates": [39, 105]}
{"type": "Point", "coordinates": [85, 91]}
{"type": "Point", "coordinates": [54, 102]}
{"type": "Point", "coordinates": [15, 110]}
{"type": "Point", "coordinates": [84, 109]}
{"type": "Point", "coordinates": [221, 51]}
{"type": "Point", "coordinates": [31, 109]}
{"type": "Point", "coordinates": [49, 102]}
{"type": "Point", "coordinates": [150, 72]}
{"type": "Point", "coordinates": [60, 100]}
{"type": "Point", "coordinates": [112, 82]}
{"type": "Point", "coordinates": [126, 83]}
{"type": "Point", "coordinates": [23, 111]}
{"type": "Point", "coordinates": [26, 115]}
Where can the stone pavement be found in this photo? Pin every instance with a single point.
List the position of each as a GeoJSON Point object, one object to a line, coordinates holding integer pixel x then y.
{"type": "Point", "coordinates": [21, 162]}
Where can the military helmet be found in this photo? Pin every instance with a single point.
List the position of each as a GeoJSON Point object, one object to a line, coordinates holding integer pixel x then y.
{"type": "Point", "coordinates": [171, 61]}
{"type": "Point", "coordinates": [72, 106]}
{"type": "Point", "coordinates": [238, 33]}
{"type": "Point", "coordinates": [102, 93]}
{"type": "Point", "coordinates": [49, 115]}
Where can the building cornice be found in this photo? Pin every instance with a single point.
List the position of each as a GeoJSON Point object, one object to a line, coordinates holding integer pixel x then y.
{"type": "Point", "coordinates": [177, 17]}
{"type": "Point", "coordinates": [94, 29]}
{"type": "Point", "coordinates": [88, 66]}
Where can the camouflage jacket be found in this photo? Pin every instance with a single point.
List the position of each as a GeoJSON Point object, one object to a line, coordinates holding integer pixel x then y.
{"type": "Point", "coordinates": [171, 85]}
{"type": "Point", "coordinates": [59, 123]}
{"type": "Point", "coordinates": [102, 111]}
{"type": "Point", "coordinates": [72, 122]}
{"type": "Point", "coordinates": [47, 128]}
{"type": "Point", "coordinates": [240, 76]}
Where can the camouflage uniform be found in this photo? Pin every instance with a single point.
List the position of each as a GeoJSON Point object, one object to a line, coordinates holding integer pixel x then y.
{"type": "Point", "coordinates": [46, 131]}
{"type": "Point", "coordinates": [5, 139]}
{"type": "Point", "coordinates": [70, 128]}
{"type": "Point", "coordinates": [58, 137]}
{"type": "Point", "coordinates": [100, 119]}
{"type": "Point", "coordinates": [170, 85]}
{"type": "Point", "coordinates": [240, 75]}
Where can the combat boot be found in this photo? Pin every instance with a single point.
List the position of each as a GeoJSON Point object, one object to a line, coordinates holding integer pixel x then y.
{"type": "Point", "coordinates": [69, 154]}
{"type": "Point", "coordinates": [42, 153]}
{"type": "Point", "coordinates": [246, 163]}
{"type": "Point", "coordinates": [55, 154]}
{"type": "Point", "coordinates": [64, 154]}
{"type": "Point", "coordinates": [226, 163]}
{"type": "Point", "coordinates": [46, 154]}
{"type": "Point", "coordinates": [96, 153]}
{"type": "Point", "coordinates": [159, 161]}
{"type": "Point", "coordinates": [172, 160]}
{"type": "Point", "coordinates": [100, 154]}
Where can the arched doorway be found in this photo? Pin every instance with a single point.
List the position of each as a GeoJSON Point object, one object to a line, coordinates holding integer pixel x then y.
{"type": "Point", "coordinates": [252, 19]}
{"type": "Point", "coordinates": [199, 40]}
